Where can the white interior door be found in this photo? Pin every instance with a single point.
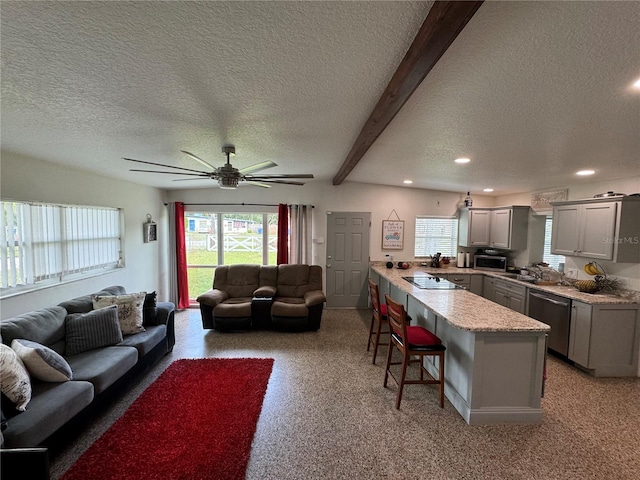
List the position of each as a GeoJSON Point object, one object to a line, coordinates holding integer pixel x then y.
{"type": "Point", "coordinates": [347, 266]}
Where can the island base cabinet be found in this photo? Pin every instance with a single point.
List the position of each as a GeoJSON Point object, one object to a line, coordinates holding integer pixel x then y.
{"type": "Point", "coordinates": [604, 339]}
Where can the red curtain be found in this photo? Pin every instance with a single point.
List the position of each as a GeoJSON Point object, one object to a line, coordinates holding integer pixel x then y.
{"type": "Point", "coordinates": [283, 234]}
{"type": "Point", "coordinates": [181, 258]}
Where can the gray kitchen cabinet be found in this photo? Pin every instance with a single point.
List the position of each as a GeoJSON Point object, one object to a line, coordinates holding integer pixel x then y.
{"type": "Point", "coordinates": [488, 288]}
{"type": "Point", "coordinates": [599, 229]}
{"type": "Point", "coordinates": [498, 227]}
{"type": "Point", "coordinates": [474, 227]}
{"type": "Point", "coordinates": [510, 295]}
{"type": "Point", "coordinates": [473, 283]}
{"type": "Point", "coordinates": [604, 339]}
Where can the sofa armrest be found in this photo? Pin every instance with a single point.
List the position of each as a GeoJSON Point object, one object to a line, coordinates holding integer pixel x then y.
{"type": "Point", "coordinates": [213, 297]}
{"type": "Point", "coordinates": [165, 309]}
{"type": "Point", "coordinates": [314, 297]}
{"type": "Point", "coordinates": [265, 291]}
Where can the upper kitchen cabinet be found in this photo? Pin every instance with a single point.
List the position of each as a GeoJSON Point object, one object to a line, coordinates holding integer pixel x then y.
{"type": "Point", "coordinates": [598, 228]}
{"type": "Point", "coordinates": [498, 227]}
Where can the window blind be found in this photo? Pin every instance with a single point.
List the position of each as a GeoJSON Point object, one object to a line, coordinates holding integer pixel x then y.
{"type": "Point", "coordinates": [553, 260]}
{"type": "Point", "coordinates": [436, 234]}
{"type": "Point", "coordinates": [46, 242]}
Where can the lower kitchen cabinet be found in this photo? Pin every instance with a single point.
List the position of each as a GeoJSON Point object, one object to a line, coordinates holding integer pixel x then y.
{"type": "Point", "coordinates": [604, 339]}
{"type": "Point", "coordinates": [473, 283]}
{"type": "Point", "coordinates": [510, 295]}
{"type": "Point", "coordinates": [488, 288]}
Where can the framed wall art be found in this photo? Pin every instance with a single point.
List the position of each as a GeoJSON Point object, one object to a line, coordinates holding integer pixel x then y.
{"type": "Point", "coordinates": [392, 234]}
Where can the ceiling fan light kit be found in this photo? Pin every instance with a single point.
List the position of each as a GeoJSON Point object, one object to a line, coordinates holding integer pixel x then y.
{"type": "Point", "coordinates": [228, 176]}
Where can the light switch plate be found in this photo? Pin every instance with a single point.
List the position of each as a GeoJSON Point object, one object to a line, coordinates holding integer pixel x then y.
{"type": "Point", "coordinates": [572, 272]}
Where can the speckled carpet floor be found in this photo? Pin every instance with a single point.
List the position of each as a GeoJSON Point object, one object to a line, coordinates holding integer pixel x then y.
{"type": "Point", "coordinates": [326, 415]}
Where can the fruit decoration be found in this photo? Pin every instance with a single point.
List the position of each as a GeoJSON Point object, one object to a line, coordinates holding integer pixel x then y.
{"type": "Point", "coordinates": [600, 280]}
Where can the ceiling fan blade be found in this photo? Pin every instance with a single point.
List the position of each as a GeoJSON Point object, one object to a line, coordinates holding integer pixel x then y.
{"type": "Point", "coordinates": [258, 166]}
{"type": "Point", "coordinates": [203, 175]}
{"type": "Point", "coordinates": [260, 184]}
{"type": "Point", "coordinates": [200, 177]}
{"type": "Point", "coordinates": [276, 176]}
{"type": "Point", "coordinates": [198, 159]}
{"type": "Point", "coordinates": [163, 165]}
{"type": "Point", "coordinates": [277, 181]}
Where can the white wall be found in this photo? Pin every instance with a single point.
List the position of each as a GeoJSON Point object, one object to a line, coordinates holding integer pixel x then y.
{"type": "Point", "coordinates": [380, 200]}
{"type": "Point", "coordinates": [28, 179]}
{"type": "Point", "coordinates": [628, 273]}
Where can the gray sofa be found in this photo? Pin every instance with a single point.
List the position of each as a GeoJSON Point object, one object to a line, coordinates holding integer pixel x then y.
{"type": "Point", "coordinates": [98, 374]}
{"type": "Point", "coordinates": [284, 297]}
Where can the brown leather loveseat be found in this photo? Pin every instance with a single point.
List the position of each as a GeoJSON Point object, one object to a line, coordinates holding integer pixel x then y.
{"type": "Point", "coordinates": [243, 297]}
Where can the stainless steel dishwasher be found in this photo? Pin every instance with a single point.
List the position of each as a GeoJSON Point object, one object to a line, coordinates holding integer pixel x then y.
{"type": "Point", "coordinates": [555, 311]}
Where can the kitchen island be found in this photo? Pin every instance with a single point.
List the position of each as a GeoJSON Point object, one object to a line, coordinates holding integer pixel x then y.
{"type": "Point", "coordinates": [495, 358]}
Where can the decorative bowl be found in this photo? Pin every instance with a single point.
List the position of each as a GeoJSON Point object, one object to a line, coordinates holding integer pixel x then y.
{"type": "Point", "coordinates": [587, 286]}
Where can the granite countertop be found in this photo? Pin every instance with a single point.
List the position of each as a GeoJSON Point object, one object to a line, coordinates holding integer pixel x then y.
{"type": "Point", "coordinates": [462, 309]}
{"type": "Point", "coordinates": [628, 298]}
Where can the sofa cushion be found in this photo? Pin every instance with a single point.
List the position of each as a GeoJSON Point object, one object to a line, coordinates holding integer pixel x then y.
{"type": "Point", "coordinates": [289, 307]}
{"type": "Point", "coordinates": [130, 308]}
{"type": "Point", "coordinates": [145, 341]}
{"type": "Point", "coordinates": [52, 405]}
{"type": "Point", "coordinates": [42, 362]}
{"type": "Point", "coordinates": [295, 280]}
{"type": "Point", "coordinates": [103, 366]}
{"type": "Point", "coordinates": [14, 378]}
{"type": "Point", "coordinates": [237, 280]}
{"type": "Point", "coordinates": [45, 326]}
{"type": "Point", "coordinates": [234, 307]}
{"type": "Point", "coordinates": [84, 304]}
{"type": "Point", "coordinates": [95, 329]}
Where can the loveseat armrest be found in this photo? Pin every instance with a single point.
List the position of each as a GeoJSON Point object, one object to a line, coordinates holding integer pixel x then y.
{"type": "Point", "coordinates": [213, 297]}
{"type": "Point", "coordinates": [265, 291]}
{"type": "Point", "coordinates": [165, 312]}
{"type": "Point", "coordinates": [314, 297]}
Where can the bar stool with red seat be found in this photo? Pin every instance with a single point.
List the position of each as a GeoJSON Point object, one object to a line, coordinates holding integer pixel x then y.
{"type": "Point", "coordinates": [378, 319]}
{"type": "Point", "coordinates": [412, 341]}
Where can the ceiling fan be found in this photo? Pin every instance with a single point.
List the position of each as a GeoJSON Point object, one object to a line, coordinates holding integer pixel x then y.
{"type": "Point", "coordinates": [227, 176]}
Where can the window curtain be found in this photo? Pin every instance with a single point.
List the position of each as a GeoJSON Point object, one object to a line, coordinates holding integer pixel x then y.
{"type": "Point", "coordinates": [301, 234]}
{"type": "Point", "coordinates": [283, 234]}
{"type": "Point", "coordinates": [178, 284]}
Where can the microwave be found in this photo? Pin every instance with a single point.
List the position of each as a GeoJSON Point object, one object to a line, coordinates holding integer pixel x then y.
{"type": "Point", "coordinates": [490, 262]}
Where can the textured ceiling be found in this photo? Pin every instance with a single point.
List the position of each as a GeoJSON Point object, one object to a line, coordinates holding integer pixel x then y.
{"type": "Point", "coordinates": [531, 91]}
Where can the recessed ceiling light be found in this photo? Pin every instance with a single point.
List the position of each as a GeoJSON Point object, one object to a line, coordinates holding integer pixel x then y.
{"type": "Point", "coordinates": [488, 190]}
{"type": "Point", "coordinates": [636, 84]}
{"type": "Point", "coordinates": [407, 181]}
{"type": "Point", "coordinates": [462, 160]}
{"type": "Point", "coordinates": [584, 173]}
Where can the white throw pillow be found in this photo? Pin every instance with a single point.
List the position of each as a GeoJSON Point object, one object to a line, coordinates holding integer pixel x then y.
{"type": "Point", "coordinates": [42, 362]}
{"type": "Point", "coordinates": [129, 310]}
{"type": "Point", "coordinates": [14, 382]}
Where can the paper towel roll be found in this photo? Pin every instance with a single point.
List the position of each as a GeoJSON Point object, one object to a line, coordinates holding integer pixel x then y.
{"type": "Point", "coordinates": [460, 260]}
{"type": "Point", "coordinates": [467, 260]}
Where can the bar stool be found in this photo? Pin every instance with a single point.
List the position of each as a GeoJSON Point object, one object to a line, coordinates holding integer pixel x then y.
{"type": "Point", "coordinates": [378, 319]}
{"type": "Point", "coordinates": [411, 341]}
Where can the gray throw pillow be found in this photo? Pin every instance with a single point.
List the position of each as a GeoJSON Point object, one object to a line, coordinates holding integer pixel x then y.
{"type": "Point", "coordinates": [98, 328]}
{"type": "Point", "coordinates": [42, 362]}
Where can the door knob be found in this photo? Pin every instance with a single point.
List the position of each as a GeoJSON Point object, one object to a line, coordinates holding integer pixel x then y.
{"type": "Point", "coordinates": [328, 265]}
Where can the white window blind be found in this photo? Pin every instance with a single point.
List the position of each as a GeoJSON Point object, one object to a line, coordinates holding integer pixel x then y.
{"type": "Point", "coordinates": [45, 243]}
{"type": "Point", "coordinates": [553, 260]}
{"type": "Point", "coordinates": [436, 234]}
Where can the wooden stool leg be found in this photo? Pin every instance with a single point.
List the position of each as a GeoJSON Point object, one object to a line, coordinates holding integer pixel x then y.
{"type": "Point", "coordinates": [405, 362]}
{"type": "Point", "coordinates": [386, 371]}
{"type": "Point", "coordinates": [441, 379]}
{"type": "Point", "coordinates": [370, 331]}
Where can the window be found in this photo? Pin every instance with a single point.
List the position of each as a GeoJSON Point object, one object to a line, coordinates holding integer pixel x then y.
{"type": "Point", "coordinates": [244, 238]}
{"type": "Point", "coordinates": [553, 260]}
{"type": "Point", "coordinates": [436, 234]}
{"type": "Point", "coordinates": [44, 244]}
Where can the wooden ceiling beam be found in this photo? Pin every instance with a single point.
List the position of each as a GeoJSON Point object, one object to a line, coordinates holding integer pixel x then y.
{"type": "Point", "coordinates": [444, 22]}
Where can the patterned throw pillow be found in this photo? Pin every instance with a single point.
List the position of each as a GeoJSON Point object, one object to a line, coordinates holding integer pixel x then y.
{"type": "Point", "coordinates": [14, 382]}
{"type": "Point", "coordinates": [86, 331]}
{"type": "Point", "coordinates": [42, 362]}
{"type": "Point", "coordinates": [129, 310]}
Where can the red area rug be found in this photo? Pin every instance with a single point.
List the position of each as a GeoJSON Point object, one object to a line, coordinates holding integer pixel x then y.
{"type": "Point", "coordinates": [196, 421]}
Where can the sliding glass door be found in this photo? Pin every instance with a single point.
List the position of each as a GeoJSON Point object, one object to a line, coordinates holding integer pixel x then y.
{"type": "Point", "coordinates": [214, 239]}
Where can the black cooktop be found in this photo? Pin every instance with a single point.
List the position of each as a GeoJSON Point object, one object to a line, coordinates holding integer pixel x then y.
{"type": "Point", "coordinates": [429, 282]}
